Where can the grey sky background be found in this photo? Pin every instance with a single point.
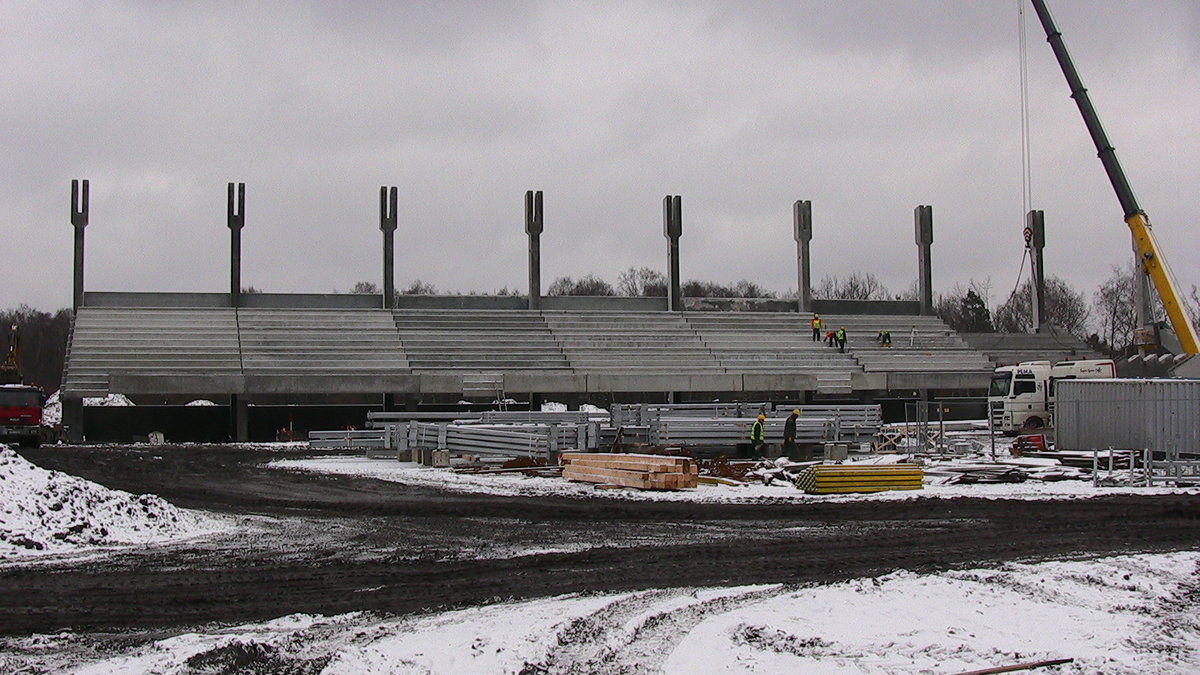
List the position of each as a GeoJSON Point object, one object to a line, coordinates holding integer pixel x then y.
{"type": "Point", "coordinates": [867, 108]}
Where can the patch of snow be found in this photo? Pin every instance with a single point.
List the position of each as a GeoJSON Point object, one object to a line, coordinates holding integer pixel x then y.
{"type": "Point", "coordinates": [1119, 615]}
{"type": "Point", "coordinates": [200, 402]}
{"type": "Point", "coordinates": [52, 410]}
{"type": "Point", "coordinates": [553, 406]}
{"type": "Point", "coordinates": [115, 400]}
{"type": "Point", "coordinates": [51, 512]}
{"type": "Point", "coordinates": [520, 485]}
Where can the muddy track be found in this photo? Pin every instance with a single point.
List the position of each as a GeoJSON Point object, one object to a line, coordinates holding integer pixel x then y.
{"type": "Point", "coordinates": [330, 544]}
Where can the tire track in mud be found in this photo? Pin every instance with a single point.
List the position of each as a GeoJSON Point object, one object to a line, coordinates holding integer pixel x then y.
{"type": "Point", "coordinates": [600, 643]}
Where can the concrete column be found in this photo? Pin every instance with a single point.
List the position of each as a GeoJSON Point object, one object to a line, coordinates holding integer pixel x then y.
{"type": "Point", "coordinates": [923, 217]}
{"type": "Point", "coordinates": [533, 227]}
{"type": "Point", "coordinates": [388, 220]}
{"type": "Point", "coordinates": [1035, 241]}
{"type": "Point", "coordinates": [239, 428]}
{"type": "Point", "coordinates": [72, 418]}
{"type": "Point", "coordinates": [802, 221]}
{"type": "Point", "coordinates": [236, 219]}
{"type": "Point", "coordinates": [672, 229]}
{"type": "Point", "coordinates": [79, 220]}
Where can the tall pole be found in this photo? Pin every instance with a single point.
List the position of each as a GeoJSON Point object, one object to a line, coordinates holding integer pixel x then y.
{"type": "Point", "coordinates": [672, 230]}
{"type": "Point", "coordinates": [388, 221]}
{"type": "Point", "coordinates": [923, 217]}
{"type": "Point", "coordinates": [533, 227]}
{"type": "Point", "coordinates": [235, 218]}
{"type": "Point", "coordinates": [1035, 241]}
{"type": "Point", "coordinates": [802, 223]}
{"type": "Point", "coordinates": [79, 220]}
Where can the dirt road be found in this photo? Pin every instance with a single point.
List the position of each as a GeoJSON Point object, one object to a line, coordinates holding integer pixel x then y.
{"type": "Point", "coordinates": [333, 544]}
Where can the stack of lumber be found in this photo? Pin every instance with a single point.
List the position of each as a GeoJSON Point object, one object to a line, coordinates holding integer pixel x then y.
{"type": "Point", "coordinates": [646, 472]}
{"type": "Point", "coordinates": [825, 479]}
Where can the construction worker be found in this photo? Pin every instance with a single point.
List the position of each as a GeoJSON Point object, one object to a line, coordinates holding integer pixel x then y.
{"type": "Point", "coordinates": [841, 339]}
{"type": "Point", "coordinates": [789, 434]}
{"type": "Point", "coordinates": [816, 327]}
{"type": "Point", "coordinates": [756, 436]}
{"type": "Point", "coordinates": [885, 338]}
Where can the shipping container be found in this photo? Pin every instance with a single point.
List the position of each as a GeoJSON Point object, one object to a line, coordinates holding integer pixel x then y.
{"type": "Point", "coordinates": [1161, 415]}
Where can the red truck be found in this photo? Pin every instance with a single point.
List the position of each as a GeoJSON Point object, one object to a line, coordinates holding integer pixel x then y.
{"type": "Point", "coordinates": [21, 414]}
{"type": "Point", "coordinates": [20, 404]}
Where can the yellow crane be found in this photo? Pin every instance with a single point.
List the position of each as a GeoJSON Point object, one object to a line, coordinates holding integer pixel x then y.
{"type": "Point", "coordinates": [1150, 255]}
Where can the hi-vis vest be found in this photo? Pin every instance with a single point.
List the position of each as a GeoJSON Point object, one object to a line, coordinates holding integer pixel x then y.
{"type": "Point", "coordinates": [816, 323]}
{"type": "Point", "coordinates": [756, 431]}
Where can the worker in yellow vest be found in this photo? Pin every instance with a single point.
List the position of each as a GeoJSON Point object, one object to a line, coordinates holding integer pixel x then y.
{"type": "Point", "coordinates": [816, 327]}
{"type": "Point", "coordinates": [757, 437]}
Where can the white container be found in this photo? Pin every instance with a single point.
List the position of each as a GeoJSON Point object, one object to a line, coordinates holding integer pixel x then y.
{"type": "Point", "coordinates": [1162, 415]}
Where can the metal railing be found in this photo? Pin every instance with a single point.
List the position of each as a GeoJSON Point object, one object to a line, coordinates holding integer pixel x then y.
{"type": "Point", "coordinates": [700, 431]}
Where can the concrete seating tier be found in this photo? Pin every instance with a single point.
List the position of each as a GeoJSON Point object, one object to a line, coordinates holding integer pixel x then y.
{"type": "Point", "coordinates": [746, 342]}
{"type": "Point", "coordinates": [110, 341]}
{"type": "Point", "coordinates": [919, 344]}
{"type": "Point", "coordinates": [466, 340]}
{"type": "Point", "coordinates": [630, 342]}
{"type": "Point", "coordinates": [1006, 349]}
{"type": "Point", "coordinates": [325, 341]}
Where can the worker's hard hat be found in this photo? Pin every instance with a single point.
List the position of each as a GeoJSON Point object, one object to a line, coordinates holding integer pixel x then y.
{"type": "Point", "coordinates": [796, 411]}
{"type": "Point", "coordinates": [762, 416]}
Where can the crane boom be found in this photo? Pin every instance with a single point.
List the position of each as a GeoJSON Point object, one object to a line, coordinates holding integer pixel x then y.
{"type": "Point", "coordinates": [1149, 254]}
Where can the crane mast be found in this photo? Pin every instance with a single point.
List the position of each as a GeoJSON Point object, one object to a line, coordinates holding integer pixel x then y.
{"type": "Point", "coordinates": [1149, 255]}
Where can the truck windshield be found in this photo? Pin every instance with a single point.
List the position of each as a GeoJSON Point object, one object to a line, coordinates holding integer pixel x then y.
{"type": "Point", "coordinates": [1000, 384]}
{"type": "Point", "coordinates": [19, 398]}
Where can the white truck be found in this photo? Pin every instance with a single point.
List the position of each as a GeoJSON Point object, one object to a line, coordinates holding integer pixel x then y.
{"type": "Point", "coordinates": [1021, 397]}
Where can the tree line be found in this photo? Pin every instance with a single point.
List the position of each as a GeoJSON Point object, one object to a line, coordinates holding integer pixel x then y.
{"type": "Point", "coordinates": [1107, 322]}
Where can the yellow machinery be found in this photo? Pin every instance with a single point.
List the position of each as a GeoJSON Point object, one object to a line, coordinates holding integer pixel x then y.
{"type": "Point", "coordinates": [1149, 255]}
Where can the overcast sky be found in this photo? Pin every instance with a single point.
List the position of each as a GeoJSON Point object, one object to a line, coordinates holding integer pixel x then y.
{"type": "Point", "coordinates": [867, 108]}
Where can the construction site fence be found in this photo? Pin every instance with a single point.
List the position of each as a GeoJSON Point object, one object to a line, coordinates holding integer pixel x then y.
{"type": "Point", "coordinates": [700, 431]}
{"type": "Point", "coordinates": [851, 422]}
{"type": "Point", "coordinates": [528, 440]}
{"type": "Point", "coordinates": [1141, 468]}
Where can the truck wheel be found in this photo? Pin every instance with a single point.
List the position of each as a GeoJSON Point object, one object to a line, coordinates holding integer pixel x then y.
{"type": "Point", "coordinates": [1033, 423]}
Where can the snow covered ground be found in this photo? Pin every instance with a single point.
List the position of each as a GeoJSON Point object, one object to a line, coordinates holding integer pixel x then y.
{"type": "Point", "coordinates": [1117, 615]}
{"type": "Point", "coordinates": [527, 486]}
{"type": "Point", "coordinates": [1122, 614]}
{"type": "Point", "coordinates": [46, 512]}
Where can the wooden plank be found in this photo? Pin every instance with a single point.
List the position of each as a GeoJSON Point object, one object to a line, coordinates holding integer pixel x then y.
{"type": "Point", "coordinates": [572, 456]}
{"type": "Point", "coordinates": [627, 465]}
{"type": "Point", "coordinates": [644, 480]}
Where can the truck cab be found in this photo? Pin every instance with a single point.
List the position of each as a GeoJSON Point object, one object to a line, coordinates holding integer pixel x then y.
{"type": "Point", "coordinates": [1021, 397]}
{"type": "Point", "coordinates": [21, 414]}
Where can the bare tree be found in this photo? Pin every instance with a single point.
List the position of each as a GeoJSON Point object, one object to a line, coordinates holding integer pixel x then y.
{"type": "Point", "coordinates": [642, 282]}
{"type": "Point", "coordinates": [1064, 307]}
{"type": "Point", "coordinates": [419, 287]}
{"type": "Point", "coordinates": [587, 285]}
{"type": "Point", "coordinates": [1116, 311]}
{"type": "Point", "coordinates": [43, 343]}
{"type": "Point", "coordinates": [964, 308]}
{"type": "Point", "coordinates": [365, 288]}
{"type": "Point", "coordinates": [857, 286]}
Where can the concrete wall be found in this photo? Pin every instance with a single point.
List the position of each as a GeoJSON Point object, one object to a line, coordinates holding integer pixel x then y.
{"type": "Point", "coordinates": [121, 299]}
{"type": "Point", "coordinates": [462, 302]}
{"type": "Point", "coordinates": [604, 303]}
{"type": "Point", "coordinates": [870, 307]}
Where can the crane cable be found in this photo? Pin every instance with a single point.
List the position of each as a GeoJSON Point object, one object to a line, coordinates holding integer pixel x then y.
{"type": "Point", "coordinates": [1026, 164]}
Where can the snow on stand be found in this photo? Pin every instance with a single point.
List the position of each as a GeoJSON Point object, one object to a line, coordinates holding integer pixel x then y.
{"type": "Point", "coordinates": [49, 512]}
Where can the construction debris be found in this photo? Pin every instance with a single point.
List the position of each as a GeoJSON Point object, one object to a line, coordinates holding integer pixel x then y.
{"type": "Point", "coordinates": [841, 478]}
{"type": "Point", "coordinates": [645, 472]}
